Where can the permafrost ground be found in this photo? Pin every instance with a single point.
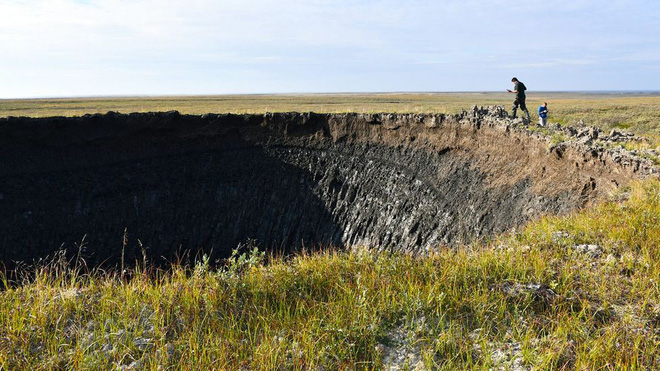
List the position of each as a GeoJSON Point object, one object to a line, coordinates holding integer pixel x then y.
{"type": "Point", "coordinates": [208, 183]}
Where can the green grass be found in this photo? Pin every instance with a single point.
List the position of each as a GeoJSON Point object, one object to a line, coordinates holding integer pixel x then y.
{"type": "Point", "coordinates": [637, 113]}
{"type": "Point", "coordinates": [471, 307]}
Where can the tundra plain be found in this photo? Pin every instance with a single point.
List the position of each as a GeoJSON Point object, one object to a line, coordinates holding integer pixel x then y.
{"type": "Point", "coordinates": [638, 112]}
{"type": "Point", "coordinates": [576, 291]}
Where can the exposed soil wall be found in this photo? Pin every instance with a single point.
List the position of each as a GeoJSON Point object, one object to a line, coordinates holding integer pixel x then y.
{"type": "Point", "coordinates": [178, 182]}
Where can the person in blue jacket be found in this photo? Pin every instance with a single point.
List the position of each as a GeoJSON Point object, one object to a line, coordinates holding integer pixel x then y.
{"type": "Point", "coordinates": [543, 114]}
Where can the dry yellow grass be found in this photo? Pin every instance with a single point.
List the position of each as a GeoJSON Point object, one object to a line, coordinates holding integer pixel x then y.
{"type": "Point", "coordinates": [639, 113]}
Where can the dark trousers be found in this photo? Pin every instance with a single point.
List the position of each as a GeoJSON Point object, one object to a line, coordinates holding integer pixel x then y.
{"type": "Point", "coordinates": [520, 102]}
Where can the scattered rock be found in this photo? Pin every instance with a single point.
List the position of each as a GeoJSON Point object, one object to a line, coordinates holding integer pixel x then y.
{"type": "Point", "coordinates": [593, 251]}
{"type": "Point", "coordinates": [401, 354]}
{"type": "Point", "coordinates": [68, 294]}
{"type": "Point", "coordinates": [135, 365]}
{"type": "Point", "coordinates": [508, 356]}
{"type": "Point", "coordinates": [142, 343]}
{"type": "Point", "coordinates": [559, 235]}
{"type": "Point", "coordinates": [504, 356]}
{"type": "Point", "coordinates": [541, 293]}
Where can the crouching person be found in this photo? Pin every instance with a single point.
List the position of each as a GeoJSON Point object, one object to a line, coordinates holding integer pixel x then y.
{"type": "Point", "coordinates": [543, 114]}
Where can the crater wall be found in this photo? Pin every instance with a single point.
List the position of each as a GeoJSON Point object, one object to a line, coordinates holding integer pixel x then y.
{"type": "Point", "coordinates": [207, 183]}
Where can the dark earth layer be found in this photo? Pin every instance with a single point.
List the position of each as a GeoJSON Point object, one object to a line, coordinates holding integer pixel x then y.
{"type": "Point", "coordinates": [178, 182]}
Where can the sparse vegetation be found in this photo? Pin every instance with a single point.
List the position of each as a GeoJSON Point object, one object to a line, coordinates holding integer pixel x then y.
{"type": "Point", "coordinates": [555, 136]}
{"type": "Point", "coordinates": [577, 291]}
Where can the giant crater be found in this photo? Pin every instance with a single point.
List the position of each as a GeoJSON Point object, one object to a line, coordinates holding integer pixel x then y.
{"type": "Point", "coordinates": [173, 183]}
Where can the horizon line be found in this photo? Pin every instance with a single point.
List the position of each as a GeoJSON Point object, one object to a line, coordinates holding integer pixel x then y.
{"type": "Point", "coordinates": [612, 91]}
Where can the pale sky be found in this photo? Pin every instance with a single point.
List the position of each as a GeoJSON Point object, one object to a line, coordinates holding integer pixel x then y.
{"type": "Point", "coordinates": [54, 48]}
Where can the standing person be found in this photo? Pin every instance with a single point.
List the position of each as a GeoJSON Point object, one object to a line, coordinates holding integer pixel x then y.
{"type": "Point", "coordinates": [519, 89]}
{"type": "Point", "coordinates": [543, 114]}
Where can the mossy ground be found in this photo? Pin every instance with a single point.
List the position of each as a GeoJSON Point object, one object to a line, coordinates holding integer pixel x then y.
{"type": "Point", "coordinates": [533, 298]}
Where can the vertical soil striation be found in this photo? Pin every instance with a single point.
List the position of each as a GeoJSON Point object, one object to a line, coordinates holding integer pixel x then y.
{"type": "Point", "coordinates": [179, 182]}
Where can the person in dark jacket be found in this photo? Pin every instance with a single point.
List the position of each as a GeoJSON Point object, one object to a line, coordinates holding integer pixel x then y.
{"type": "Point", "coordinates": [519, 89]}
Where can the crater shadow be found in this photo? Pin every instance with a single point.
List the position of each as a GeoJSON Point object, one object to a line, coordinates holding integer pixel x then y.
{"type": "Point", "coordinates": [204, 202]}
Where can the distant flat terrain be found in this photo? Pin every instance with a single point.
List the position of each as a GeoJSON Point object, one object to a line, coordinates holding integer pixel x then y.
{"type": "Point", "coordinates": [635, 111]}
